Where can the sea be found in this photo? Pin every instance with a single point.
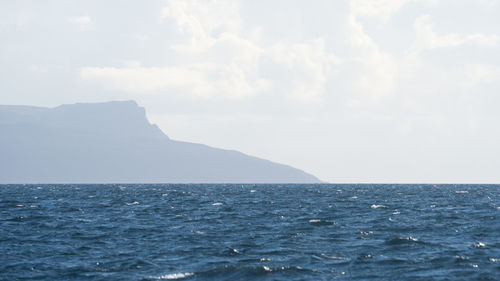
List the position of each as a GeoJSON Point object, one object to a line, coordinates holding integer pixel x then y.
{"type": "Point", "coordinates": [249, 232]}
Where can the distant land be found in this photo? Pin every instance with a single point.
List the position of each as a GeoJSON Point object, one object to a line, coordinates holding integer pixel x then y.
{"type": "Point", "coordinates": [113, 142]}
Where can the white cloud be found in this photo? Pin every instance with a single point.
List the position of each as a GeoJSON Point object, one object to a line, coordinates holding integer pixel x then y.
{"type": "Point", "coordinates": [382, 9]}
{"type": "Point", "coordinates": [376, 68]}
{"type": "Point", "coordinates": [307, 65]}
{"type": "Point", "coordinates": [202, 21]}
{"type": "Point", "coordinates": [142, 79]}
{"type": "Point", "coordinates": [480, 74]}
{"type": "Point", "coordinates": [219, 60]}
{"type": "Point", "coordinates": [84, 23]}
{"type": "Point", "coordinates": [219, 57]}
{"type": "Point", "coordinates": [214, 29]}
{"type": "Point", "coordinates": [195, 80]}
{"type": "Point", "coordinates": [428, 38]}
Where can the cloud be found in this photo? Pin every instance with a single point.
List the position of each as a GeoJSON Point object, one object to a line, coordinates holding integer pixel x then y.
{"type": "Point", "coordinates": [218, 56]}
{"type": "Point", "coordinates": [381, 9]}
{"type": "Point", "coordinates": [220, 60]}
{"type": "Point", "coordinates": [194, 80]}
{"type": "Point", "coordinates": [305, 67]}
{"type": "Point", "coordinates": [84, 23]}
{"type": "Point", "coordinates": [428, 38]}
{"type": "Point", "coordinates": [217, 61]}
{"type": "Point", "coordinates": [374, 68]}
{"type": "Point", "coordinates": [202, 21]}
{"type": "Point", "coordinates": [214, 29]}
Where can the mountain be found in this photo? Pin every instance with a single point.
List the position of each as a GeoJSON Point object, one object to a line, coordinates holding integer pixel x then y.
{"type": "Point", "coordinates": [113, 142]}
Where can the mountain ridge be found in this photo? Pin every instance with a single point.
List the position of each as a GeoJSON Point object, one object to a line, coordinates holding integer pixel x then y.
{"type": "Point", "coordinates": [114, 142]}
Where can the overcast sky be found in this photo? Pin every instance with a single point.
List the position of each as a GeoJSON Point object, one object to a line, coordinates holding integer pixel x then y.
{"type": "Point", "coordinates": [351, 91]}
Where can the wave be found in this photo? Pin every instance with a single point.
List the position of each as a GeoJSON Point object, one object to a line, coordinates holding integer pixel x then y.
{"type": "Point", "coordinates": [174, 276]}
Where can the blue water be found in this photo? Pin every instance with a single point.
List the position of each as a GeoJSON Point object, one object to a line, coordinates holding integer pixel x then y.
{"type": "Point", "coordinates": [249, 232]}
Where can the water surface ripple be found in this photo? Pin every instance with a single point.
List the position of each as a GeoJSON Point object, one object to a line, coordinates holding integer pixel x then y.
{"type": "Point", "coordinates": [249, 232]}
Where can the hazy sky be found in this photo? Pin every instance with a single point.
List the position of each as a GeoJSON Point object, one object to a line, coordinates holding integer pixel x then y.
{"type": "Point", "coordinates": [351, 91]}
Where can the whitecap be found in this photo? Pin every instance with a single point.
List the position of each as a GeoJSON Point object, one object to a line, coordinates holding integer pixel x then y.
{"type": "Point", "coordinates": [334, 257]}
{"type": "Point", "coordinates": [217, 204]}
{"type": "Point", "coordinates": [175, 276]}
{"type": "Point", "coordinates": [133, 203]}
{"type": "Point", "coordinates": [354, 197]}
{"type": "Point", "coordinates": [396, 212]}
{"type": "Point", "coordinates": [461, 191]}
{"type": "Point", "coordinates": [317, 257]}
{"type": "Point", "coordinates": [19, 205]}
{"type": "Point", "coordinates": [494, 260]}
{"type": "Point", "coordinates": [377, 206]}
{"type": "Point", "coordinates": [409, 238]}
{"type": "Point", "coordinates": [314, 221]}
{"type": "Point", "coordinates": [266, 268]}
{"type": "Point", "coordinates": [479, 245]}
{"type": "Point", "coordinates": [253, 190]}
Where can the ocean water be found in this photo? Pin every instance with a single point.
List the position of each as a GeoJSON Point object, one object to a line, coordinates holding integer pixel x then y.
{"type": "Point", "coordinates": [249, 232]}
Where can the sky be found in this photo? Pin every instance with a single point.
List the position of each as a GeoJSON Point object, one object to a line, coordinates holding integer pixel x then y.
{"type": "Point", "coordinates": [360, 91]}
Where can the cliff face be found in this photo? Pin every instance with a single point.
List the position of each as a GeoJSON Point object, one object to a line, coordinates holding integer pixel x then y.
{"type": "Point", "coordinates": [119, 119]}
{"type": "Point", "coordinates": [114, 142]}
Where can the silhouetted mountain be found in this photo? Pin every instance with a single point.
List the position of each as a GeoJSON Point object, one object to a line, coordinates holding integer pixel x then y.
{"type": "Point", "coordinates": [114, 142]}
